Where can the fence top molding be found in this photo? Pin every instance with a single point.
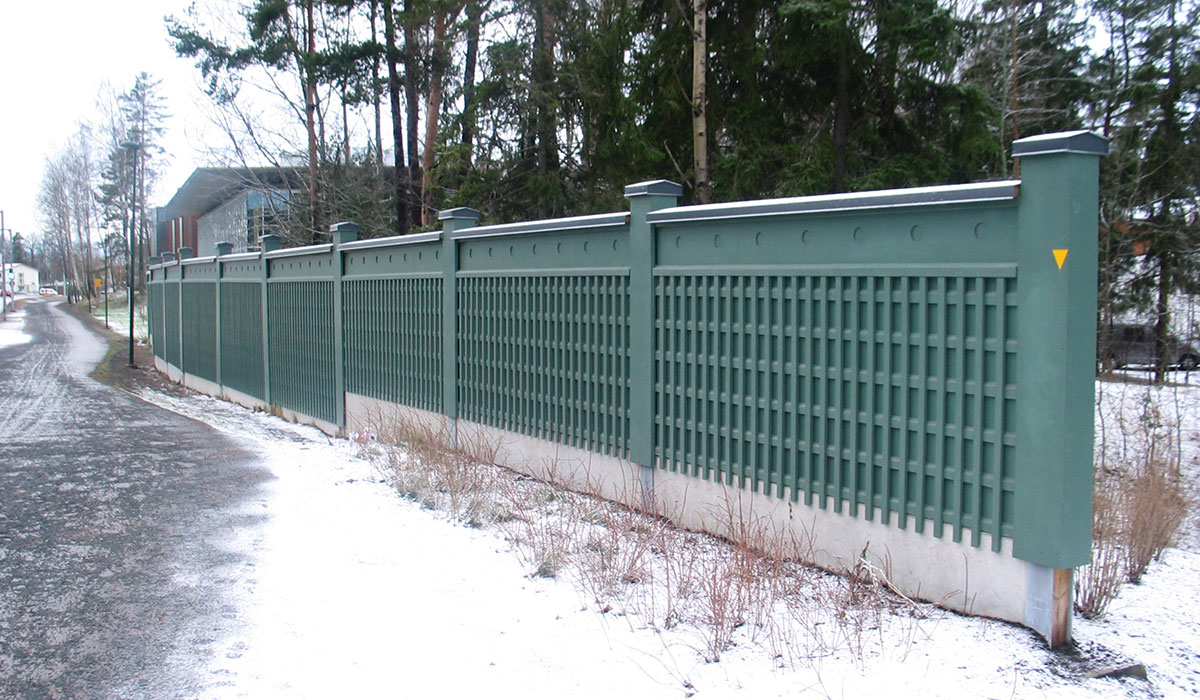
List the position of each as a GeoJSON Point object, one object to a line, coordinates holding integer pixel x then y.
{"type": "Point", "coordinates": [406, 239]}
{"type": "Point", "coordinates": [241, 256]}
{"type": "Point", "coordinates": [198, 261]}
{"type": "Point", "coordinates": [573, 223]}
{"type": "Point", "coordinates": [852, 201]}
{"type": "Point", "coordinates": [302, 250]}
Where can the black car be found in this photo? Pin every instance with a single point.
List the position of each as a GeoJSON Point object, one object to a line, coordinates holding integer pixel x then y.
{"type": "Point", "coordinates": [1133, 344]}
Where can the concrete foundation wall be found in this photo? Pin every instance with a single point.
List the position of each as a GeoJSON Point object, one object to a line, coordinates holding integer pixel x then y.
{"type": "Point", "coordinates": [972, 580]}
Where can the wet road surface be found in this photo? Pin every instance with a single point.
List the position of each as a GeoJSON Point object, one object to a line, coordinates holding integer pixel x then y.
{"type": "Point", "coordinates": [111, 581]}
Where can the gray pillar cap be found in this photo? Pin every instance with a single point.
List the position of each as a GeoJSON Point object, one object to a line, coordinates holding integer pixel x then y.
{"type": "Point", "coordinates": [1085, 142]}
{"type": "Point", "coordinates": [459, 213]}
{"type": "Point", "coordinates": [654, 187]}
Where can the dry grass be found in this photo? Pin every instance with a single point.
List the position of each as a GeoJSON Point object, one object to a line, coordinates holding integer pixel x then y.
{"type": "Point", "coordinates": [1139, 503]}
{"type": "Point", "coordinates": [712, 591]}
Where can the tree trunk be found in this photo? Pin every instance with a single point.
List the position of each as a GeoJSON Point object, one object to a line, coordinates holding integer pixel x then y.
{"type": "Point", "coordinates": [546, 125]}
{"type": "Point", "coordinates": [375, 101]}
{"type": "Point", "coordinates": [433, 110]}
{"type": "Point", "coordinates": [399, 179]}
{"type": "Point", "coordinates": [700, 100]}
{"type": "Point", "coordinates": [474, 12]}
{"type": "Point", "coordinates": [412, 102]}
{"type": "Point", "coordinates": [1014, 88]}
{"type": "Point", "coordinates": [310, 112]}
{"type": "Point", "coordinates": [345, 129]}
{"type": "Point", "coordinates": [841, 115]}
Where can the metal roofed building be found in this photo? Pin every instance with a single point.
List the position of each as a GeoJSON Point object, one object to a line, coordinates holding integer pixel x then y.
{"type": "Point", "coordinates": [238, 205]}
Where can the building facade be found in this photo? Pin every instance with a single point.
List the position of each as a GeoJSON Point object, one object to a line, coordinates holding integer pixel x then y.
{"type": "Point", "coordinates": [234, 205]}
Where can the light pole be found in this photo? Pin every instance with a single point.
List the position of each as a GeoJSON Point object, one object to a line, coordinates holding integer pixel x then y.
{"type": "Point", "coordinates": [132, 147]}
{"type": "Point", "coordinates": [3, 273]}
{"type": "Point", "coordinates": [107, 282]}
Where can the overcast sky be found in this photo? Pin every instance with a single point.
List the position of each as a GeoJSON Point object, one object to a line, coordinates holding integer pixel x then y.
{"type": "Point", "coordinates": [54, 57]}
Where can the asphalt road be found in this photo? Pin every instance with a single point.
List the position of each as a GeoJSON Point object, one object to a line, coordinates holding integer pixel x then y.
{"type": "Point", "coordinates": [113, 583]}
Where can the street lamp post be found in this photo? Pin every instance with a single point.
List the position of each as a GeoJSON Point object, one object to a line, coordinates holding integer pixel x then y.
{"type": "Point", "coordinates": [132, 147]}
{"type": "Point", "coordinates": [3, 273]}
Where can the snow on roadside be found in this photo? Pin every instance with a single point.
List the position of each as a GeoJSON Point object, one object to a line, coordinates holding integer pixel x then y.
{"type": "Point", "coordinates": [356, 592]}
{"type": "Point", "coordinates": [12, 330]}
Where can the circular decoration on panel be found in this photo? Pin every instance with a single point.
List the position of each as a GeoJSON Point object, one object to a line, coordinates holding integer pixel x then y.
{"type": "Point", "coordinates": [717, 240]}
{"type": "Point", "coordinates": [804, 237]}
{"type": "Point", "coordinates": [979, 230]}
{"type": "Point", "coordinates": [585, 246]}
{"type": "Point", "coordinates": [758, 238]}
{"type": "Point", "coordinates": [858, 233]}
{"type": "Point", "coordinates": [915, 233]}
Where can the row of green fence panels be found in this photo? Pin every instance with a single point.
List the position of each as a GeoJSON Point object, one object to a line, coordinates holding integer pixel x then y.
{"type": "Point", "coordinates": [199, 301]}
{"type": "Point", "coordinates": [301, 341]}
{"type": "Point", "coordinates": [547, 356]}
{"type": "Point", "coordinates": [890, 393]}
{"type": "Point", "coordinates": [241, 343]}
{"type": "Point", "coordinates": [393, 339]}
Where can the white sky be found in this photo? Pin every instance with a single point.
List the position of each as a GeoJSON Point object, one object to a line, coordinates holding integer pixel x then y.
{"type": "Point", "coordinates": [54, 58]}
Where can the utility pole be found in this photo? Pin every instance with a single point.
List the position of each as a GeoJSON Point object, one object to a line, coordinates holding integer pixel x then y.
{"type": "Point", "coordinates": [3, 273]}
{"type": "Point", "coordinates": [132, 147]}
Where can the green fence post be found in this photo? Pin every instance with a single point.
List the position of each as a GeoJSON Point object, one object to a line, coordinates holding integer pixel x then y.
{"type": "Point", "coordinates": [644, 197]}
{"type": "Point", "coordinates": [343, 232]}
{"type": "Point", "coordinates": [267, 244]}
{"type": "Point", "coordinates": [223, 248]}
{"type": "Point", "coordinates": [185, 253]}
{"type": "Point", "coordinates": [168, 258]}
{"type": "Point", "coordinates": [452, 220]}
{"type": "Point", "coordinates": [1057, 229]}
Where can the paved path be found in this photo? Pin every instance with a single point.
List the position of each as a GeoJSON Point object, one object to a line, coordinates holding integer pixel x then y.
{"type": "Point", "coordinates": [109, 511]}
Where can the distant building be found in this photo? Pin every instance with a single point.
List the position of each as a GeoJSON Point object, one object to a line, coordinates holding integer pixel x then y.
{"type": "Point", "coordinates": [238, 205]}
{"type": "Point", "coordinates": [22, 278]}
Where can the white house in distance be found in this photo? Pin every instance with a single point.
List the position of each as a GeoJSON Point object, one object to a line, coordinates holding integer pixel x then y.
{"type": "Point", "coordinates": [21, 278]}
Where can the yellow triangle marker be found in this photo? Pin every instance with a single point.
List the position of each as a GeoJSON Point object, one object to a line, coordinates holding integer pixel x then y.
{"type": "Point", "coordinates": [1060, 256]}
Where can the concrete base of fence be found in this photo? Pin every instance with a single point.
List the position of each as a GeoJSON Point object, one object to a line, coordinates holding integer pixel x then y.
{"type": "Point", "coordinates": [173, 373]}
{"type": "Point", "coordinates": [204, 386]}
{"type": "Point", "coordinates": [211, 388]}
{"type": "Point", "coordinates": [973, 580]}
{"type": "Point", "coordinates": [579, 470]}
{"type": "Point", "coordinates": [243, 399]}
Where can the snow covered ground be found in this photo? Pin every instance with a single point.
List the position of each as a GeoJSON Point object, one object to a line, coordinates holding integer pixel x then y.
{"type": "Point", "coordinates": [12, 330]}
{"type": "Point", "coordinates": [118, 315]}
{"type": "Point", "coordinates": [354, 591]}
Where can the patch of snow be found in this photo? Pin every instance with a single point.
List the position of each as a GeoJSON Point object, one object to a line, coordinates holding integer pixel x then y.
{"type": "Point", "coordinates": [12, 330]}
{"type": "Point", "coordinates": [352, 591]}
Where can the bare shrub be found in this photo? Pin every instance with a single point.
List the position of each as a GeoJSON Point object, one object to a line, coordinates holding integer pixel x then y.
{"type": "Point", "coordinates": [1098, 583]}
{"type": "Point", "coordinates": [1139, 498]}
{"type": "Point", "coordinates": [1155, 508]}
{"type": "Point", "coordinates": [635, 564]}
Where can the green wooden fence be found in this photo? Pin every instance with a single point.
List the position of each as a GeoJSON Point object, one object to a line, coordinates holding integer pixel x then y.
{"type": "Point", "coordinates": [924, 356]}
